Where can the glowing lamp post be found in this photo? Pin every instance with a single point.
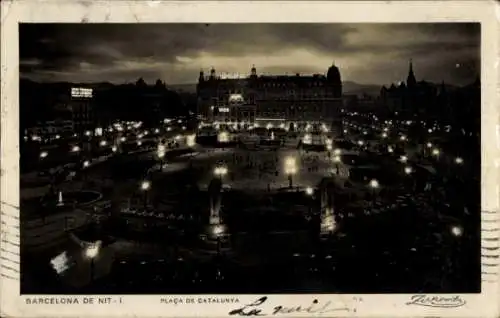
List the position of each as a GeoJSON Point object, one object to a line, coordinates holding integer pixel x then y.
{"type": "Point", "coordinates": [91, 253]}
{"type": "Point", "coordinates": [220, 171]}
{"type": "Point", "coordinates": [435, 152]}
{"type": "Point", "coordinates": [459, 161]}
{"type": "Point", "coordinates": [337, 161]}
{"type": "Point", "coordinates": [456, 231]}
{"type": "Point", "coordinates": [290, 169]}
{"type": "Point", "coordinates": [103, 143]}
{"type": "Point", "coordinates": [145, 186]}
{"type": "Point", "coordinates": [309, 191]}
{"type": "Point", "coordinates": [161, 154]}
{"type": "Point", "coordinates": [75, 149]}
{"type": "Point", "coordinates": [43, 154]}
{"type": "Point", "coordinates": [374, 185]}
{"type": "Point", "coordinates": [360, 144]}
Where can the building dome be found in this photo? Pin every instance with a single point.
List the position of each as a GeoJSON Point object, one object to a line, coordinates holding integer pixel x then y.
{"type": "Point", "coordinates": [333, 74]}
{"type": "Point", "coordinates": [334, 80]}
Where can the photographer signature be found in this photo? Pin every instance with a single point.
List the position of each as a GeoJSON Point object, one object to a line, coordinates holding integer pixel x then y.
{"type": "Point", "coordinates": [436, 301]}
{"type": "Point", "coordinates": [255, 309]}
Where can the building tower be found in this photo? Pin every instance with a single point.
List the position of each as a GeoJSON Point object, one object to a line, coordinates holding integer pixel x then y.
{"type": "Point", "coordinates": [201, 78]}
{"type": "Point", "coordinates": [410, 80]}
{"type": "Point", "coordinates": [334, 80]}
{"type": "Point", "coordinates": [212, 73]}
{"type": "Point", "coordinates": [253, 72]}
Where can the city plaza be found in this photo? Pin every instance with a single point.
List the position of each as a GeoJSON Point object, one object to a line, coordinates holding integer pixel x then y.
{"type": "Point", "coordinates": [278, 195]}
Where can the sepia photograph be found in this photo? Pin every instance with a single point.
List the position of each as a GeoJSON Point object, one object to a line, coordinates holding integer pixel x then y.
{"type": "Point", "coordinates": [263, 158]}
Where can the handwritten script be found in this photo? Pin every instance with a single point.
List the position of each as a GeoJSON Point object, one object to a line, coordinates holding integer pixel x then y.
{"type": "Point", "coordinates": [258, 308]}
{"type": "Point", "coordinates": [436, 301]}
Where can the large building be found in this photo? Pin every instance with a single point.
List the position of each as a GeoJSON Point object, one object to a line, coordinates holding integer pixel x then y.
{"type": "Point", "coordinates": [262, 98]}
{"type": "Point", "coordinates": [412, 97]}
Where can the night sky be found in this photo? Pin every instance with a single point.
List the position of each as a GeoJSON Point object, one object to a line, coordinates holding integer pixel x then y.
{"type": "Point", "coordinates": [175, 53]}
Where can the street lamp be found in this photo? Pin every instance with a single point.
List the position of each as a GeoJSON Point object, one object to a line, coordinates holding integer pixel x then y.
{"type": "Point", "coordinates": [403, 137]}
{"type": "Point", "coordinates": [408, 170]}
{"type": "Point", "coordinates": [86, 163]}
{"type": "Point", "coordinates": [145, 186]}
{"type": "Point", "coordinates": [403, 159]}
{"type": "Point", "coordinates": [220, 171]}
{"type": "Point", "coordinates": [114, 149]}
{"type": "Point", "coordinates": [91, 253]}
{"type": "Point", "coordinates": [309, 191]}
{"type": "Point", "coordinates": [459, 160]}
{"type": "Point", "coordinates": [43, 154]}
{"type": "Point", "coordinates": [457, 231]}
{"type": "Point", "coordinates": [374, 185]}
{"type": "Point", "coordinates": [161, 154]}
{"type": "Point", "coordinates": [103, 143]}
{"type": "Point", "coordinates": [384, 135]}
{"type": "Point", "coordinates": [75, 149]}
{"type": "Point", "coordinates": [290, 169]}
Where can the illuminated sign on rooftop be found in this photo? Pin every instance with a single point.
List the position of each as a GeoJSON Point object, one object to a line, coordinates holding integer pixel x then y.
{"type": "Point", "coordinates": [81, 92]}
{"type": "Point", "coordinates": [232, 75]}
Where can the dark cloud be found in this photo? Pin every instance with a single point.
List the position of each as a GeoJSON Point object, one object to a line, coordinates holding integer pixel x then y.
{"type": "Point", "coordinates": [376, 53]}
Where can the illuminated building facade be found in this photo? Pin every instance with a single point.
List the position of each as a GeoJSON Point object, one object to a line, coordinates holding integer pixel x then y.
{"type": "Point", "coordinates": [262, 98]}
{"type": "Point", "coordinates": [82, 110]}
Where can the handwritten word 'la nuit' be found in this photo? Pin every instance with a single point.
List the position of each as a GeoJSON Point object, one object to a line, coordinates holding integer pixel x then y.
{"type": "Point", "coordinates": [255, 309]}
